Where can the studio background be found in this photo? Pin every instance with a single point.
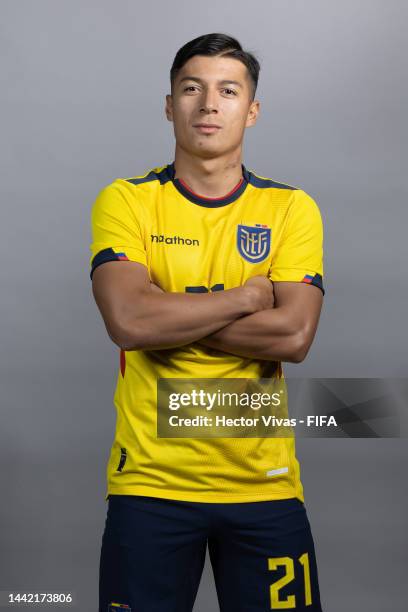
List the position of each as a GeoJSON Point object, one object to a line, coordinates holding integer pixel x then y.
{"type": "Point", "coordinates": [83, 88]}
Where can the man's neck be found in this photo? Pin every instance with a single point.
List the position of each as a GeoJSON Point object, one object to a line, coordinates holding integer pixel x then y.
{"type": "Point", "coordinates": [211, 178]}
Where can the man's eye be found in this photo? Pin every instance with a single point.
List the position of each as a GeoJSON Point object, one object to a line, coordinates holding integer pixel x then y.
{"type": "Point", "coordinates": [226, 89]}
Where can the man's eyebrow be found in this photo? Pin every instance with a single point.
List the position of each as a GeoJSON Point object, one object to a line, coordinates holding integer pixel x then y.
{"type": "Point", "coordinates": [223, 82]}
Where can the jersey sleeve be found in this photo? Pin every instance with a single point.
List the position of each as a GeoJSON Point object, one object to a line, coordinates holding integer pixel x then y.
{"type": "Point", "coordinates": [299, 255]}
{"type": "Point", "coordinates": [116, 230]}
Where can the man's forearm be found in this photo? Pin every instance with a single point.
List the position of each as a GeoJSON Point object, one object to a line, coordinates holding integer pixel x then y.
{"type": "Point", "coordinates": [268, 334]}
{"type": "Point", "coordinates": [167, 320]}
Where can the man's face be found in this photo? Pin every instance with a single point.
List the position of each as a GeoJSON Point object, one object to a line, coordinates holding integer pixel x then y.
{"type": "Point", "coordinates": [211, 91]}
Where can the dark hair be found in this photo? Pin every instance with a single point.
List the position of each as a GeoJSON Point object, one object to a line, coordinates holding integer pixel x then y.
{"type": "Point", "coordinates": [216, 44]}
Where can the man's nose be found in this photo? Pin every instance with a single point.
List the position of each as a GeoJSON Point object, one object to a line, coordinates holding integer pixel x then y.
{"type": "Point", "coordinates": [209, 102]}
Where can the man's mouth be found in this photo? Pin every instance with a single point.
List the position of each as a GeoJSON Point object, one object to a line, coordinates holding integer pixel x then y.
{"type": "Point", "coordinates": [206, 128]}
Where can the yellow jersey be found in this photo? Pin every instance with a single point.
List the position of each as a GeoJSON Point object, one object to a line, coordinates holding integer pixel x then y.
{"type": "Point", "coordinates": [193, 243]}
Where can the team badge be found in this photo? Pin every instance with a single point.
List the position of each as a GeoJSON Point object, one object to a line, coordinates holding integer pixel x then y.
{"type": "Point", "coordinates": [254, 243]}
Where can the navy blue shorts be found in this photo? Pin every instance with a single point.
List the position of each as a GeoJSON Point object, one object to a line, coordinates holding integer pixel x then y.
{"type": "Point", "coordinates": [153, 553]}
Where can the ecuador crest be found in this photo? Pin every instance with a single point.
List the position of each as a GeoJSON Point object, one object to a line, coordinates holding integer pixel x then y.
{"type": "Point", "coordinates": [254, 242]}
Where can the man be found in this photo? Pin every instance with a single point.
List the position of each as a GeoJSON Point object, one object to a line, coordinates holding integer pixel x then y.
{"type": "Point", "coordinates": [222, 279]}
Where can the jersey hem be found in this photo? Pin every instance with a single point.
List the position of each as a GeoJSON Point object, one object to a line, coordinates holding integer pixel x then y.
{"type": "Point", "coordinates": [203, 497]}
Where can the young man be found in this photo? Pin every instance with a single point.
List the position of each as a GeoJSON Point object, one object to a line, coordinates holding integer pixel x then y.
{"type": "Point", "coordinates": [220, 277]}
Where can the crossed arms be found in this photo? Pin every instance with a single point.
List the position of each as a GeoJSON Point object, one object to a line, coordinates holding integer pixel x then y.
{"type": "Point", "coordinates": [259, 320]}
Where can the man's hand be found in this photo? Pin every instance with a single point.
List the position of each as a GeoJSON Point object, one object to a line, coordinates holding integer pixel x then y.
{"type": "Point", "coordinates": [259, 291]}
{"type": "Point", "coordinates": [282, 333]}
{"type": "Point", "coordinates": [155, 288]}
{"type": "Point", "coordinates": [264, 289]}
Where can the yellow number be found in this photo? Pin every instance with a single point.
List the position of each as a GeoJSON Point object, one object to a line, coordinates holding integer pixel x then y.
{"type": "Point", "coordinates": [304, 560]}
{"type": "Point", "coordinates": [287, 562]}
{"type": "Point", "coordinates": [276, 603]}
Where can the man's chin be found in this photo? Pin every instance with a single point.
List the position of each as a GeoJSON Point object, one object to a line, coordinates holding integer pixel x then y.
{"type": "Point", "coordinates": [204, 149]}
{"type": "Point", "coordinates": [207, 151]}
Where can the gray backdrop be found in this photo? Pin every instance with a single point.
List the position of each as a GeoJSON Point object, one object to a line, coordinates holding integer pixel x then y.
{"type": "Point", "coordinates": [83, 85]}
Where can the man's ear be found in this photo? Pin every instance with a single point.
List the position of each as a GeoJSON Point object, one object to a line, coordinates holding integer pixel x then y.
{"type": "Point", "coordinates": [253, 113]}
{"type": "Point", "coordinates": [169, 107]}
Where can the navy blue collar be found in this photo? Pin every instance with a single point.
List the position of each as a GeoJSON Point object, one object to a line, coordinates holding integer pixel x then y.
{"type": "Point", "coordinates": [208, 202]}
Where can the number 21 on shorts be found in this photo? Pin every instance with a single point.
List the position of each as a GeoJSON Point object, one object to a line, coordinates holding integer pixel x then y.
{"type": "Point", "coordinates": [290, 602]}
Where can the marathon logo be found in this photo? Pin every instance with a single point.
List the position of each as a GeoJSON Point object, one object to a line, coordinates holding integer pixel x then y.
{"type": "Point", "coordinates": [160, 238]}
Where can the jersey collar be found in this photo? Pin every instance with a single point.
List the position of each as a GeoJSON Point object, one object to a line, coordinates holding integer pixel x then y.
{"type": "Point", "coordinates": [208, 202]}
